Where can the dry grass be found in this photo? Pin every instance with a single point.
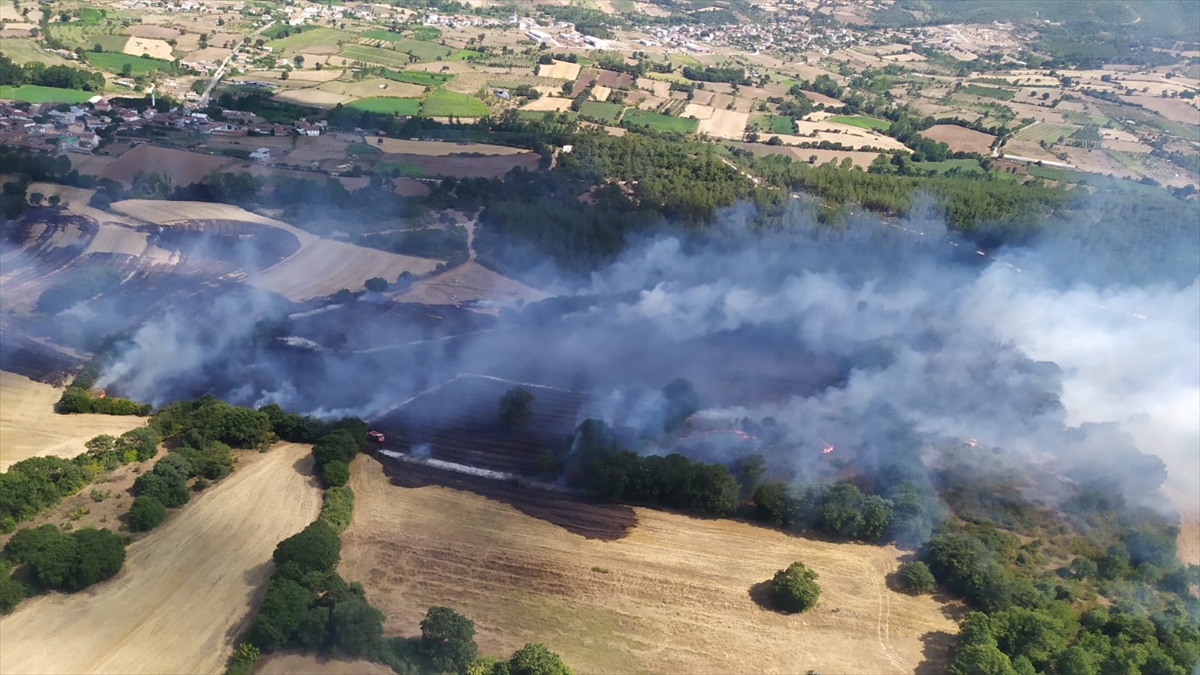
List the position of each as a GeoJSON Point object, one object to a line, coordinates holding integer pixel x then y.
{"type": "Point", "coordinates": [960, 139]}
{"type": "Point", "coordinates": [561, 70]}
{"type": "Point", "coordinates": [724, 124]}
{"type": "Point", "coordinates": [323, 267]}
{"type": "Point", "coordinates": [29, 427]}
{"type": "Point", "coordinates": [676, 598]}
{"type": "Point", "coordinates": [548, 103]}
{"type": "Point", "coordinates": [186, 589]}
{"type": "Point", "coordinates": [401, 146]}
{"type": "Point", "coordinates": [157, 49]}
{"type": "Point", "coordinates": [181, 166]}
{"type": "Point", "coordinates": [313, 97]}
{"type": "Point", "coordinates": [474, 282]}
{"type": "Point", "coordinates": [370, 87]}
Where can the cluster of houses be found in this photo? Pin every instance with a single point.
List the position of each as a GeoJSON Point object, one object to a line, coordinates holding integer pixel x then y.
{"type": "Point", "coordinates": [79, 128]}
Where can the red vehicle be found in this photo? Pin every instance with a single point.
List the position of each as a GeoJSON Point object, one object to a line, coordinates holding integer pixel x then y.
{"type": "Point", "coordinates": [375, 436]}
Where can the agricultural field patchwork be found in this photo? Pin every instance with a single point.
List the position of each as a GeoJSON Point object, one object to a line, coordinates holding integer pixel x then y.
{"type": "Point", "coordinates": [420, 77]}
{"type": "Point", "coordinates": [1045, 131]}
{"type": "Point", "coordinates": [384, 57]}
{"type": "Point", "coordinates": [987, 92]}
{"type": "Point", "coordinates": [309, 40]}
{"type": "Point", "coordinates": [608, 113]}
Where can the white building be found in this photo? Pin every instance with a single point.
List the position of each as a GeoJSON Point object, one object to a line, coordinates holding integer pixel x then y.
{"type": "Point", "coordinates": [261, 155]}
{"type": "Point", "coordinates": [539, 36]}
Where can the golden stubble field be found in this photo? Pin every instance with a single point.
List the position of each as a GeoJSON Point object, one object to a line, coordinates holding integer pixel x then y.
{"type": "Point", "coordinates": [673, 596]}
{"type": "Point", "coordinates": [29, 427]}
{"type": "Point", "coordinates": [187, 588]}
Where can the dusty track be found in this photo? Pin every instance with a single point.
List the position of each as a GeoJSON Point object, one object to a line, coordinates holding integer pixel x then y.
{"type": "Point", "coordinates": [186, 589]}
{"type": "Point", "coordinates": [673, 596]}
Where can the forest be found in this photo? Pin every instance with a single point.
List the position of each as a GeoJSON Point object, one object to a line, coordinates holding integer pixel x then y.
{"type": "Point", "coordinates": [35, 72]}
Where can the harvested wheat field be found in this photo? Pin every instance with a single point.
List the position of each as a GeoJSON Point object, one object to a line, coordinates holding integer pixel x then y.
{"type": "Point", "coordinates": [548, 103]}
{"type": "Point", "coordinates": [313, 97]}
{"type": "Point", "coordinates": [157, 49]}
{"type": "Point", "coordinates": [672, 596]}
{"type": "Point", "coordinates": [469, 281]}
{"type": "Point", "coordinates": [29, 427]}
{"type": "Point", "coordinates": [562, 70]}
{"type": "Point", "coordinates": [724, 124]}
{"type": "Point", "coordinates": [960, 139]}
{"type": "Point", "coordinates": [324, 267]}
{"type": "Point", "coordinates": [186, 589]}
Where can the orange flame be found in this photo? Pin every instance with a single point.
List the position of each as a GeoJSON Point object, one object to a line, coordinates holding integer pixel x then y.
{"type": "Point", "coordinates": [827, 449]}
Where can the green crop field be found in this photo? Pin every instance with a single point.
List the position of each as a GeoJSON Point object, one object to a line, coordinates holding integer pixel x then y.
{"type": "Point", "coordinates": [989, 92]}
{"type": "Point", "coordinates": [385, 35]}
{"type": "Point", "coordinates": [1061, 175]}
{"type": "Point", "coordinates": [318, 37]}
{"type": "Point", "coordinates": [399, 169]}
{"type": "Point", "coordinates": [635, 117]}
{"type": "Point", "coordinates": [1044, 131]}
{"type": "Point", "coordinates": [384, 57]}
{"type": "Point", "coordinates": [115, 62]}
{"type": "Point", "coordinates": [388, 106]}
{"type": "Point", "coordinates": [683, 60]}
{"type": "Point", "coordinates": [861, 122]}
{"type": "Point", "coordinates": [1126, 160]}
{"type": "Point", "coordinates": [782, 125]}
{"type": "Point", "coordinates": [668, 77]}
{"type": "Point", "coordinates": [425, 51]}
{"type": "Point", "coordinates": [948, 164]}
{"type": "Point", "coordinates": [426, 33]}
{"type": "Point", "coordinates": [417, 77]}
{"type": "Point", "coordinates": [38, 94]}
{"type": "Point", "coordinates": [110, 43]}
{"type": "Point", "coordinates": [442, 103]}
{"type": "Point", "coordinates": [463, 55]}
{"type": "Point", "coordinates": [608, 113]}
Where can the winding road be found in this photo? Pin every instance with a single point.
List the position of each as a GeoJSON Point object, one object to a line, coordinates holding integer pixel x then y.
{"type": "Point", "coordinates": [225, 64]}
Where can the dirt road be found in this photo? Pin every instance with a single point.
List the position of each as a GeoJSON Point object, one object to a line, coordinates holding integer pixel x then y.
{"type": "Point", "coordinates": [185, 591]}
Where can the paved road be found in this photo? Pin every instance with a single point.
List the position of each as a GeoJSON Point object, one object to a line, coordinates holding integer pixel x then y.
{"type": "Point", "coordinates": [225, 64]}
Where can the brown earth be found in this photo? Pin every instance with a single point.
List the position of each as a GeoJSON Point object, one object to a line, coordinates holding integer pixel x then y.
{"type": "Point", "coordinates": [186, 590]}
{"type": "Point", "coordinates": [960, 139]}
{"type": "Point", "coordinates": [468, 282]}
{"type": "Point", "coordinates": [181, 166]}
{"type": "Point", "coordinates": [29, 427]}
{"type": "Point", "coordinates": [677, 594]}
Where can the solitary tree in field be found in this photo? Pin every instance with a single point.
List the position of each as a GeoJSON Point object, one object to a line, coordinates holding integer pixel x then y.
{"type": "Point", "coordinates": [916, 577]}
{"type": "Point", "coordinates": [299, 61]}
{"type": "Point", "coordinates": [795, 589]}
{"type": "Point", "coordinates": [516, 407]}
{"type": "Point", "coordinates": [448, 639]}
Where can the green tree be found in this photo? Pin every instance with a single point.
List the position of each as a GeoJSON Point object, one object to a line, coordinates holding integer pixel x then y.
{"type": "Point", "coordinates": [355, 627]}
{"type": "Point", "coordinates": [516, 407]}
{"type": "Point", "coordinates": [448, 639]}
{"type": "Point", "coordinates": [980, 659]}
{"type": "Point", "coordinates": [795, 589]}
{"type": "Point", "coordinates": [146, 513]}
{"type": "Point", "coordinates": [1076, 661]}
{"type": "Point", "coordinates": [916, 578]}
{"type": "Point", "coordinates": [316, 548]}
{"type": "Point", "coordinates": [376, 284]}
{"type": "Point", "coordinates": [99, 555]}
{"type": "Point", "coordinates": [284, 607]}
{"type": "Point", "coordinates": [335, 473]}
{"type": "Point", "coordinates": [536, 659]}
{"type": "Point", "coordinates": [12, 592]}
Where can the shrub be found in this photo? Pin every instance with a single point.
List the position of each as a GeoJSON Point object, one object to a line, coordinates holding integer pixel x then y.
{"type": "Point", "coordinates": [146, 513]}
{"type": "Point", "coordinates": [516, 407]}
{"type": "Point", "coordinates": [338, 508]}
{"type": "Point", "coordinates": [795, 589]}
{"type": "Point", "coordinates": [316, 548]}
{"type": "Point", "coordinates": [536, 659]}
{"type": "Point", "coordinates": [376, 284]}
{"type": "Point", "coordinates": [916, 578]}
{"type": "Point", "coordinates": [12, 592]}
{"type": "Point", "coordinates": [336, 473]}
{"type": "Point", "coordinates": [69, 562]}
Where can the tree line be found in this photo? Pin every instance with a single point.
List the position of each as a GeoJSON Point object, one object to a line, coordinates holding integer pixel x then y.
{"type": "Point", "coordinates": [36, 72]}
